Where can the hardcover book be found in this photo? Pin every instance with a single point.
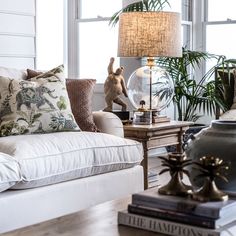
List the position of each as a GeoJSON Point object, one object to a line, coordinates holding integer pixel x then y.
{"type": "Point", "coordinates": [180, 217]}
{"type": "Point", "coordinates": [151, 198]}
{"type": "Point", "coordinates": [172, 228]}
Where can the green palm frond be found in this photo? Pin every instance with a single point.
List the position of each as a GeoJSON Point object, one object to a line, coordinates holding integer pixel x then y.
{"type": "Point", "coordinates": [140, 6]}
{"type": "Point", "coordinates": [193, 97]}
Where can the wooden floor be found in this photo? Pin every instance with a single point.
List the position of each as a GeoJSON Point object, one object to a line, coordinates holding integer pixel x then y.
{"type": "Point", "coordinates": [100, 220]}
{"type": "Point", "coordinates": [154, 166]}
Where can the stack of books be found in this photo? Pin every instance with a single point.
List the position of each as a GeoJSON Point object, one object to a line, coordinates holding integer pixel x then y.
{"type": "Point", "coordinates": [172, 215]}
{"type": "Point", "coordinates": [160, 119]}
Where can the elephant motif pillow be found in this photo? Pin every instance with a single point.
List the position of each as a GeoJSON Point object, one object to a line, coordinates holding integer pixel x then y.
{"type": "Point", "coordinates": [40, 105]}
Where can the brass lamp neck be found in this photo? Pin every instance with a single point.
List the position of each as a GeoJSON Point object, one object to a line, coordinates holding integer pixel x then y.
{"type": "Point", "coordinates": [151, 62]}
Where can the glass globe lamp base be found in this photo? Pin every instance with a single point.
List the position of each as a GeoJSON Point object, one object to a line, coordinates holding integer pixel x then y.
{"type": "Point", "coordinates": [150, 88]}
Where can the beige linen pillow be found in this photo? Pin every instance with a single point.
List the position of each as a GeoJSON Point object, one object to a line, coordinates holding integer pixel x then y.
{"type": "Point", "coordinates": [40, 105]}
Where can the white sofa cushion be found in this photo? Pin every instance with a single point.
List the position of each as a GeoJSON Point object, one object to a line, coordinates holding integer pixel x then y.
{"type": "Point", "coordinates": [51, 158]}
{"type": "Point", "coordinates": [9, 172]}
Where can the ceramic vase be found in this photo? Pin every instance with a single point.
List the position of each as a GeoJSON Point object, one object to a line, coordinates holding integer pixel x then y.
{"type": "Point", "coordinates": [218, 140]}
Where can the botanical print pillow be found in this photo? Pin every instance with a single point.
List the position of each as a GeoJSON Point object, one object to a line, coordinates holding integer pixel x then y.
{"type": "Point", "coordinates": [80, 92]}
{"type": "Point", "coordinates": [40, 105]}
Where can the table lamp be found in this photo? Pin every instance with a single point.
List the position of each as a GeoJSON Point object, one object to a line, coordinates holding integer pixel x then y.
{"type": "Point", "coordinates": [150, 35]}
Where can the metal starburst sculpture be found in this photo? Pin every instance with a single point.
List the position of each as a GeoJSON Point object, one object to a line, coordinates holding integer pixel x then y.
{"type": "Point", "coordinates": [175, 164]}
{"type": "Point", "coordinates": [210, 168]}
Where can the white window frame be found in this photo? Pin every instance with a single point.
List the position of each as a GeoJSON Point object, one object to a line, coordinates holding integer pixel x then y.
{"type": "Point", "coordinates": [73, 41]}
{"type": "Point", "coordinates": [189, 24]}
{"type": "Point", "coordinates": [206, 22]}
{"type": "Point", "coordinates": [200, 22]}
{"type": "Point", "coordinates": [74, 13]}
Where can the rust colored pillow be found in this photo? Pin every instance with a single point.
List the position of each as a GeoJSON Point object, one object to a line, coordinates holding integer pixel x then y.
{"type": "Point", "coordinates": [80, 92]}
{"type": "Point", "coordinates": [32, 73]}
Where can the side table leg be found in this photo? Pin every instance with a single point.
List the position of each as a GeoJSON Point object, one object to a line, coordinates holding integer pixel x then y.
{"type": "Point", "coordinates": [179, 146]}
{"type": "Point", "coordinates": [144, 163]}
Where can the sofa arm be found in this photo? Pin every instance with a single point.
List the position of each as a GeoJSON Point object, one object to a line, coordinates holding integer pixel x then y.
{"type": "Point", "coordinates": [109, 123]}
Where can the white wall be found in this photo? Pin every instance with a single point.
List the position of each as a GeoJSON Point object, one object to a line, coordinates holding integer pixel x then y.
{"type": "Point", "coordinates": [17, 33]}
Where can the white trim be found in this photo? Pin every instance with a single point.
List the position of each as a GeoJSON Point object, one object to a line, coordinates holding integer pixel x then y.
{"type": "Point", "coordinates": [18, 34]}
{"type": "Point", "coordinates": [65, 37]}
{"type": "Point", "coordinates": [205, 11]}
{"type": "Point", "coordinates": [184, 22]}
{"type": "Point", "coordinates": [72, 45]}
{"type": "Point", "coordinates": [79, 20]}
{"type": "Point", "coordinates": [197, 25]}
{"type": "Point", "coordinates": [17, 13]}
{"type": "Point", "coordinates": [19, 55]}
{"type": "Point", "coordinates": [198, 33]}
{"type": "Point", "coordinates": [226, 22]}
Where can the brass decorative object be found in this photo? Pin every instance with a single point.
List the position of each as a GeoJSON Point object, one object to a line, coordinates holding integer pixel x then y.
{"type": "Point", "coordinates": [114, 86]}
{"type": "Point", "coordinates": [175, 163]}
{"type": "Point", "coordinates": [210, 168]}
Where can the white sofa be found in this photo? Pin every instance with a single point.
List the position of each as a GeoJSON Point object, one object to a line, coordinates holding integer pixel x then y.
{"type": "Point", "coordinates": [50, 175]}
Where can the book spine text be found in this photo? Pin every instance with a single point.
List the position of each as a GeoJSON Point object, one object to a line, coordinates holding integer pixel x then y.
{"type": "Point", "coordinates": [162, 226]}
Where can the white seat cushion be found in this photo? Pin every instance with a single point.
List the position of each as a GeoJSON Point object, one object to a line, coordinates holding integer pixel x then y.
{"type": "Point", "coordinates": [9, 172]}
{"type": "Point", "coordinates": [51, 158]}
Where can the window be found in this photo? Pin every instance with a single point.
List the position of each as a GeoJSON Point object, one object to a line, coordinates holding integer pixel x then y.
{"type": "Point", "coordinates": [220, 25]}
{"type": "Point", "coordinates": [185, 8]}
{"type": "Point", "coordinates": [50, 33]}
{"type": "Point", "coordinates": [96, 39]}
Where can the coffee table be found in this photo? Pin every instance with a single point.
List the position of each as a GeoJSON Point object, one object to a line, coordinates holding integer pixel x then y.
{"type": "Point", "coordinates": [100, 220]}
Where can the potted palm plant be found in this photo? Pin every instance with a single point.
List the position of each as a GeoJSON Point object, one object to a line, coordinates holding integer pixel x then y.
{"type": "Point", "coordinates": [193, 96]}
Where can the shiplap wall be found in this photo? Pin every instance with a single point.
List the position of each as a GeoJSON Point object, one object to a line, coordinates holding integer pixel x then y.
{"type": "Point", "coordinates": [17, 33]}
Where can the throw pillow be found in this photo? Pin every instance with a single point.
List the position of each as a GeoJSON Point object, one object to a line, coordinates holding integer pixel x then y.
{"type": "Point", "coordinates": [80, 93]}
{"type": "Point", "coordinates": [40, 105]}
{"type": "Point", "coordinates": [32, 73]}
{"type": "Point", "coordinates": [234, 90]}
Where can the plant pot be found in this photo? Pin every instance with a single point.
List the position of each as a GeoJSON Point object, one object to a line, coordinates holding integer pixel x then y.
{"type": "Point", "coordinates": [218, 140]}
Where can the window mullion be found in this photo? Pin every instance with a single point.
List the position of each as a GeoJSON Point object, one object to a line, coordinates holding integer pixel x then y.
{"type": "Point", "coordinates": [78, 9]}
{"type": "Point", "coordinates": [228, 22]}
{"type": "Point", "coordinates": [79, 20]}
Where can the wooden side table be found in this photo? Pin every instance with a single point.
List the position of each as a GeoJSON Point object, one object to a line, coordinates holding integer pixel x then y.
{"type": "Point", "coordinates": [157, 135]}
